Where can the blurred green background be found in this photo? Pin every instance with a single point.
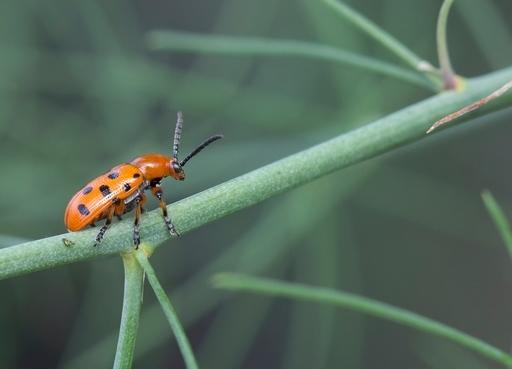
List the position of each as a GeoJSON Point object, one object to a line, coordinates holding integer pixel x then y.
{"type": "Point", "coordinates": [81, 92]}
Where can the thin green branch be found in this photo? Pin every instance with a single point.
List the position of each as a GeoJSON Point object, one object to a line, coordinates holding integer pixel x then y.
{"type": "Point", "coordinates": [132, 301]}
{"type": "Point", "coordinates": [238, 282]}
{"type": "Point", "coordinates": [449, 77]}
{"type": "Point", "coordinates": [382, 37]}
{"type": "Point", "coordinates": [384, 135]}
{"type": "Point", "coordinates": [499, 218]}
{"type": "Point", "coordinates": [254, 46]}
{"type": "Point", "coordinates": [170, 313]}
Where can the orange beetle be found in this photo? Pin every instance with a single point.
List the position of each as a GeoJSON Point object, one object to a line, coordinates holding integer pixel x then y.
{"type": "Point", "coordinates": [121, 189]}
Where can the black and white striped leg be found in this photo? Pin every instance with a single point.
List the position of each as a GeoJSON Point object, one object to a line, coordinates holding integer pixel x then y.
{"type": "Point", "coordinates": [136, 223]}
{"type": "Point", "coordinates": [170, 226]}
{"type": "Point", "coordinates": [103, 229]}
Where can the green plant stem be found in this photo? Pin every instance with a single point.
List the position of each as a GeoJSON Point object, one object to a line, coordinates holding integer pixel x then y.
{"type": "Point", "coordinates": [449, 78]}
{"type": "Point", "coordinates": [499, 218]}
{"type": "Point", "coordinates": [238, 282]}
{"type": "Point", "coordinates": [132, 301]}
{"type": "Point", "coordinates": [381, 36]}
{"type": "Point", "coordinates": [384, 135]}
{"type": "Point", "coordinates": [170, 313]}
{"type": "Point", "coordinates": [253, 46]}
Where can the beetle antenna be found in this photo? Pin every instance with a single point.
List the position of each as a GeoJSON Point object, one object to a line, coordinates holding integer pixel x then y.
{"type": "Point", "coordinates": [177, 135]}
{"type": "Point", "coordinates": [199, 148]}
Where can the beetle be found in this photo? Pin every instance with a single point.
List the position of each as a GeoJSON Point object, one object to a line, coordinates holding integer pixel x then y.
{"type": "Point", "coordinates": [121, 189]}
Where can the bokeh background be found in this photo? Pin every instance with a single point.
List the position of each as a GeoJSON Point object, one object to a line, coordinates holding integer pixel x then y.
{"type": "Point", "coordinates": [80, 92]}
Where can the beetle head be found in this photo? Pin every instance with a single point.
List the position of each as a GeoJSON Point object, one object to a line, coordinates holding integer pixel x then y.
{"type": "Point", "coordinates": [176, 170]}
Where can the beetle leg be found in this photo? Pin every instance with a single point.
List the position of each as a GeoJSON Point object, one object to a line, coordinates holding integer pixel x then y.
{"type": "Point", "coordinates": [120, 208]}
{"type": "Point", "coordinates": [103, 229]}
{"type": "Point", "coordinates": [142, 198]}
{"type": "Point", "coordinates": [136, 222]}
{"type": "Point", "coordinates": [157, 192]}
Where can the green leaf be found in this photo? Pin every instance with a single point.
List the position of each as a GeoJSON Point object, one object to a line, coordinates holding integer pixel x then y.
{"type": "Point", "coordinates": [254, 46]}
{"type": "Point", "coordinates": [499, 218]}
{"type": "Point", "coordinates": [377, 33]}
{"type": "Point", "coordinates": [238, 282]}
{"type": "Point", "coordinates": [170, 313]}
{"type": "Point", "coordinates": [449, 78]}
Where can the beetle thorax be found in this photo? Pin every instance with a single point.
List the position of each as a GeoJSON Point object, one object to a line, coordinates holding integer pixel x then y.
{"type": "Point", "coordinates": [153, 166]}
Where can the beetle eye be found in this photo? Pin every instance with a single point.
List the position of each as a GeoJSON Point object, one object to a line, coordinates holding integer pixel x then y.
{"type": "Point", "coordinates": [176, 167]}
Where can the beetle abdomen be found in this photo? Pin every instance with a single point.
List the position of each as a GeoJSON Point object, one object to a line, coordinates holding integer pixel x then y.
{"type": "Point", "coordinates": [94, 200]}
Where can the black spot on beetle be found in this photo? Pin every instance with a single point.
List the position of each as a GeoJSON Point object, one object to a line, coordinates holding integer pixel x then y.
{"type": "Point", "coordinates": [113, 175]}
{"type": "Point", "coordinates": [105, 190]}
{"type": "Point", "coordinates": [83, 209]}
{"type": "Point", "coordinates": [127, 187]}
{"type": "Point", "coordinates": [87, 190]}
{"type": "Point", "coordinates": [136, 175]}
